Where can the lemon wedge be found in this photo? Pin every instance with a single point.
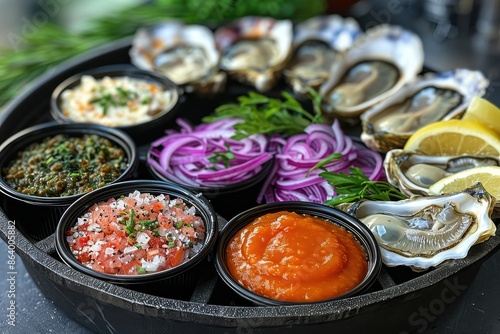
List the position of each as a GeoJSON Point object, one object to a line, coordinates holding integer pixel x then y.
{"type": "Point", "coordinates": [454, 137]}
{"type": "Point", "coordinates": [483, 112]}
{"type": "Point", "coordinates": [489, 176]}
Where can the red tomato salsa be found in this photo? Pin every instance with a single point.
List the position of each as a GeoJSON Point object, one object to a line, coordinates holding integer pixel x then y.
{"type": "Point", "coordinates": [296, 258]}
{"type": "Point", "coordinates": [137, 234]}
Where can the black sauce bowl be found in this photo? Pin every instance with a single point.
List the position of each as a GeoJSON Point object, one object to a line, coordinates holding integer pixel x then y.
{"type": "Point", "coordinates": [173, 275]}
{"type": "Point", "coordinates": [140, 132]}
{"type": "Point", "coordinates": [41, 214]}
{"type": "Point", "coordinates": [361, 233]}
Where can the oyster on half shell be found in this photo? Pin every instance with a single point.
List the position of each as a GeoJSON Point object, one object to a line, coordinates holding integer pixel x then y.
{"type": "Point", "coordinates": [255, 49]}
{"type": "Point", "coordinates": [186, 54]}
{"type": "Point", "coordinates": [316, 44]}
{"type": "Point", "coordinates": [430, 98]}
{"type": "Point", "coordinates": [375, 67]}
{"type": "Point", "coordinates": [423, 232]}
{"type": "Point", "coordinates": [414, 173]}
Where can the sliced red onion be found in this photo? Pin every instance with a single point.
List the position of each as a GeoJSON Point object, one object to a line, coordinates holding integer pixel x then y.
{"type": "Point", "coordinates": [184, 156]}
{"type": "Point", "coordinates": [291, 178]}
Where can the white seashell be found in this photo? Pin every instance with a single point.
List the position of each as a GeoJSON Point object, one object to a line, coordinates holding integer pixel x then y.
{"type": "Point", "coordinates": [386, 58]}
{"type": "Point", "coordinates": [316, 44]}
{"type": "Point", "coordinates": [412, 232]}
{"type": "Point", "coordinates": [429, 98]}
{"type": "Point", "coordinates": [186, 54]}
{"type": "Point", "coordinates": [255, 49]}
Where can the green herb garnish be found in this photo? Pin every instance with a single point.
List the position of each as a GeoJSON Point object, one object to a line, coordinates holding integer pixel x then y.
{"type": "Point", "coordinates": [180, 223]}
{"type": "Point", "coordinates": [222, 157]}
{"type": "Point", "coordinates": [140, 270]}
{"type": "Point", "coordinates": [357, 186]}
{"type": "Point", "coordinates": [129, 227]}
{"type": "Point", "coordinates": [265, 115]}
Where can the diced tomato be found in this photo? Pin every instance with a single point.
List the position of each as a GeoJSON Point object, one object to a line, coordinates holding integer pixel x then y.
{"type": "Point", "coordinates": [164, 222]}
{"type": "Point", "coordinates": [188, 232]}
{"type": "Point", "coordinates": [155, 242]}
{"type": "Point", "coordinates": [83, 257]}
{"type": "Point", "coordinates": [175, 256]}
{"type": "Point", "coordinates": [82, 241]}
{"type": "Point", "coordinates": [157, 206]}
{"type": "Point", "coordinates": [152, 253]}
{"type": "Point", "coordinates": [128, 268]}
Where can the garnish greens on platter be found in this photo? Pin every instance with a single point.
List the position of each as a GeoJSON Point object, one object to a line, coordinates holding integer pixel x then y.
{"type": "Point", "coordinates": [265, 115]}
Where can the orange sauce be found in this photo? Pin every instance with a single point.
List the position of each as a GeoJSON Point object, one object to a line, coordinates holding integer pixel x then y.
{"type": "Point", "coordinates": [296, 258]}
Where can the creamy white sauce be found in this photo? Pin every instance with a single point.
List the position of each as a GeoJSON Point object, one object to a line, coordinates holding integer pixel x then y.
{"type": "Point", "coordinates": [120, 101]}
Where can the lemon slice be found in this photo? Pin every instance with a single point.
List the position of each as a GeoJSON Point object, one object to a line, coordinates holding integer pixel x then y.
{"type": "Point", "coordinates": [483, 112]}
{"type": "Point", "coordinates": [489, 176]}
{"type": "Point", "coordinates": [454, 137]}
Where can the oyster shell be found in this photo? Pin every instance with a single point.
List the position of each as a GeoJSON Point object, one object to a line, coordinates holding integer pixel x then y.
{"type": "Point", "coordinates": [414, 173]}
{"type": "Point", "coordinates": [316, 44]}
{"type": "Point", "coordinates": [255, 49]}
{"type": "Point", "coordinates": [374, 68]}
{"type": "Point", "coordinates": [430, 98]}
{"type": "Point", "coordinates": [186, 54]}
{"type": "Point", "coordinates": [424, 232]}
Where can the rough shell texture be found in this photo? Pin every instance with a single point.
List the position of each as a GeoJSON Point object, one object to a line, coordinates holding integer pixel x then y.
{"type": "Point", "coordinates": [474, 203]}
{"type": "Point", "coordinates": [414, 173]}
{"type": "Point", "coordinates": [252, 28]}
{"type": "Point", "coordinates": [150, 44]}
{"type": "Point", "coordinates": [337, 34]}
{"type": "Point", "coordinates": [465, 82]}
{"type": "Point", "coordinates": [391, 44]}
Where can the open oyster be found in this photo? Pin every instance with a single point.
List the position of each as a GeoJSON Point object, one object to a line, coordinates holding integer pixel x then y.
{"type": "Point", "coordinates": [186, 54]}
{"type": "Point", "coordinates": [414, 173]}
{"type": "Point", "coordinates": [376, 66]}
{"type": "Point", "coordinates": [255, 49]}
{"type": "Point", "coordinates": [430, 98]}
{"type": "Point", "coordinates": [424, 232]}
{"type": "Point", "coordinates": [316, 44]}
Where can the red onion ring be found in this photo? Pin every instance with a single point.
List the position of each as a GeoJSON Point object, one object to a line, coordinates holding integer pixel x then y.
{"type": "Point", "coordinates": [297, 155]}
{"type": "Point", "coordinates": [185, 156]}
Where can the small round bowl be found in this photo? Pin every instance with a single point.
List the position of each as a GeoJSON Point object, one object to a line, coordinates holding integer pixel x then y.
{"type": "Point", "coordinates": [227, 200]}
{"type": "Point", "coordinates": [44, 212]}
{"type": "Point", "coordinates": [361, 233]}
{"type": "Point", "coordinates": [77, 209]}
{"type": "Point", "coordinates": [141, 132]}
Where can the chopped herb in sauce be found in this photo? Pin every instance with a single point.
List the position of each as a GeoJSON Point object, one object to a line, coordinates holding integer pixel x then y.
{"type": "Point", "coordinates": [62, 166]}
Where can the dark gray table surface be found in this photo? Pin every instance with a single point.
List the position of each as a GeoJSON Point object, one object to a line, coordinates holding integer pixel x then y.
{"type": "Point", "coordinates": [476, 311]}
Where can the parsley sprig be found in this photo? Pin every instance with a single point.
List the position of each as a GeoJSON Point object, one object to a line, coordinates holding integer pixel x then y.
{"type": "Point", "coordinates": [222, 157]}
{"type": "Point", "coordinates": [357, 186]}
{"type": "Point", "coordinates": [266, 115]}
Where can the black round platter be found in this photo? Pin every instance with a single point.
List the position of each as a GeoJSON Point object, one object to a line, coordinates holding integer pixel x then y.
{"type": "Point", "coordinates": [211, 307]}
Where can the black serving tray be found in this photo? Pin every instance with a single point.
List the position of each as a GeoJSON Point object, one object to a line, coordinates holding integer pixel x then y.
{"type": "Point", "coordinates": [211, 307]}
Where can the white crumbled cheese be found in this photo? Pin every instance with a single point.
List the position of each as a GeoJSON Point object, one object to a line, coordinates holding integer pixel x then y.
{"type": "Point", "coordinates": [129, 249]}
{"type": "Point", "coordinates": [109, 251]}
{"type": "Point", "coordinates": [97, 246]}
{"type": "Point", "coordinates": [143, 238]}
{"type": "Point", "coordinates": [153, 265]}
{"type": "Point", "coordinates": [94, 227]}
{"type": "Point", "coordinates": [190, 211]}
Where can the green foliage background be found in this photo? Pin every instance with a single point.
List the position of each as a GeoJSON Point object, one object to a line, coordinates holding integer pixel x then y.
{"type": "Point", "coordinates": [52, 44]}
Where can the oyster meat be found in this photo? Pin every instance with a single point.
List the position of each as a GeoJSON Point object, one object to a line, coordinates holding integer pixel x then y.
{"type": "Point", "coordinates": [423, 232]}
{"type": "Point", "coordinates": [414, 173]}
{"type": "Point", "coordinates": [186, 54]}
{"type": "Point", "coordinates": [375, 67]}
{"type": "Point", "coordinates": [316, 44]}
{"type": "Point", "coordinates": [255, 49]}
{"type": "Point", "coordinates": [430, 98]}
